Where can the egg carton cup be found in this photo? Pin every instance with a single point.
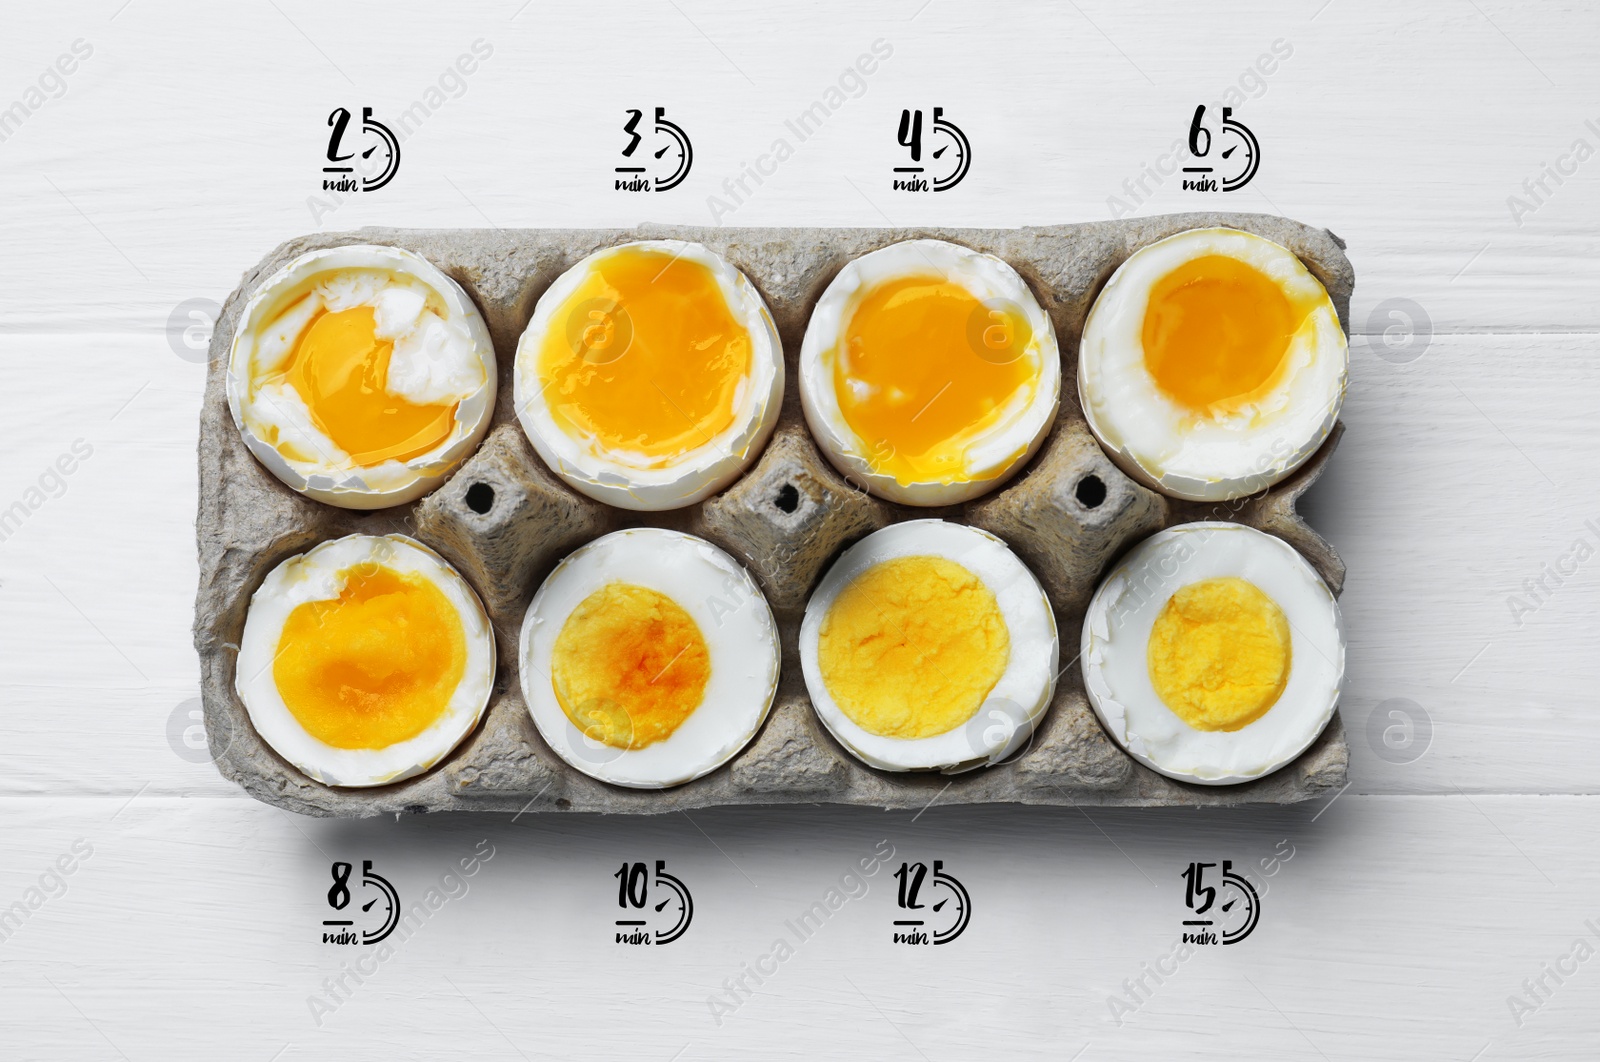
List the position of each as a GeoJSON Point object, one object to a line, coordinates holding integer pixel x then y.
{"type": "Point", "coordinates": [505, 520]}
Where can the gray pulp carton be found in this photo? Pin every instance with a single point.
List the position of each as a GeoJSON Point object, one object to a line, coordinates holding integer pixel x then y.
{"type": "Point", "coordinates": [1067, 515]}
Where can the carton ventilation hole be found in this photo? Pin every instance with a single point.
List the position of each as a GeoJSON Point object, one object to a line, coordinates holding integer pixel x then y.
{"type": "Point", "coordinates": [480, 498]}
{"type": "Point", "coordinates": [1091, 491]}
{"type": "Point", "coordinates": [788, 498]}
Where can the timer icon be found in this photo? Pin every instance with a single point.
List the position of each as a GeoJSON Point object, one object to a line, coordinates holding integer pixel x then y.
{"type": "Point", "coordinates": [386, 903]}
{"type": "Point", "coordinates": [1242, 908]}
{"type": "Point", "coordinates": [1238, 154]}
{"type": "Point", "coordinates": [676, 153]}
{"type": "Point", "coordinates": [948, 147]}
{"type": "Point", "coordinates": [954, 908]}
{"type": "Point", "coordinates": [372, 177]}
{"type": "Point", "coordinates": [674, 910]}
{"type": "Point", "coordinates": [679, 902]}
{"type": "Point", "coordinates": [678, 150]}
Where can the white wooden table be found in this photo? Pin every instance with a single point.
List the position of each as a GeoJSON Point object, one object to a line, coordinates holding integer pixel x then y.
{"type": "Point", "coordinates": [186, 142]}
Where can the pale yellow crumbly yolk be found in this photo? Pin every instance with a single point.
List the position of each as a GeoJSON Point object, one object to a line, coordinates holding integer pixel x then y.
{"type": "Point", "coordinates": [375, 666]}
{"type": "Point", "coordinates": [340, 368]}
{"type": "Point", "coordinates": [912, 647]}
{"type": "Point", "coordinates": [1219, 653]}
{"type": "Point", "coordinates": [1216, 332]}
{"type": "Point", "coordinates": [645, 357]}
{"type": "Point", "coordinates": [629, 666]}
{"type": "Point", "coordinates": [923, 369]}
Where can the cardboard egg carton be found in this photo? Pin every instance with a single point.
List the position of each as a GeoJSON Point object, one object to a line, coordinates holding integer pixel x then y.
{"type": "Point", "coordinates": [504, 520]}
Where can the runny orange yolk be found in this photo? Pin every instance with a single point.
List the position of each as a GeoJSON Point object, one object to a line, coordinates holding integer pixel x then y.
{"type": "Point", "coordinates": [645, 357]}
{"type": "Point", "coordinates": [924, 368]}
{"type": "Point", "coordinates": [340, 368]}
{"type": "Point", "coordinates": [1216, 332]}
{"type": "Point", "coordinates": [912, 647]}
{"type": "Point", "coordinates": [629, 666]}
{"type": "Point", "coordinates": [1219, 653]}
{"type": "Point", "coordinates": [375, 666]}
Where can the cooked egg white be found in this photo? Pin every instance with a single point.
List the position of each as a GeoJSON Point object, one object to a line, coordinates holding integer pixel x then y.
{"type": "Point", "coordinates": [1213, 653]}
{"type": "Point", "coordinates": [650, 376]}
{"type": "Point", "coordinates": [649, 658]}
{"type": "Point", "coordinates": [1212, 364]}
{"type": "Point", "coordinates": [361, 376]}
{"type": "Point", "coordinates": [365, 660]}
{"type": "Point", "coordinates": [929, 646]}
{"type": "Point", "coordinates": [929, 374]}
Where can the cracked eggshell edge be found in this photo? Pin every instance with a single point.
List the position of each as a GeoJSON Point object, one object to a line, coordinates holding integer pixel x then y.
{"type": "Point", "coordinates": [351, 489]}
{"type": "Point", "coordinates": [1113, 715]}
{"type": "Point", "coordinates": [706, 469]}
{"type": "Point", "coordinates": [820, 404]}
{"type": "Point", "coordinates": [446, 734]}
{"type": "Point", "coordinates": [940, 752]}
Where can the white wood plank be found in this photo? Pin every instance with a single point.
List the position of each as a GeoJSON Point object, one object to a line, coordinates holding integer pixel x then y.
{"type": "Point", "coordinates": [1397, 929]}
{"type": "Point", "coordinates": [179, 154]}
{"type": "Point", "coordinates": [1462, 475]}
{"type": "Point", "coordinates": [188, 144]}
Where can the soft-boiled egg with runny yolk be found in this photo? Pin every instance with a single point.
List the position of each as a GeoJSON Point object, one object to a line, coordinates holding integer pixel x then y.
{"type": "Point", "coordinates": [649, 658]}
{"type": "Point", "coordinates": [361, 376]}
{"type": "Point", "coordinates": [365, 660]}
{"type": "Point", "coordinates": [929, 646]}
{"type": "Point", "coordinates": [1212, 365]}
{"type": "Point", "coordinates": [928, 373]}
{"type": "Point", "coordinates": [650, 375]}
{"type": "Point", "coordinates": [1213, 653]}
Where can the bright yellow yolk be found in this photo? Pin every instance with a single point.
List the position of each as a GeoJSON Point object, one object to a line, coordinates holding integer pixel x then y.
{"type": "Point", "coordinates": [912, 647]}
{"type": "Point", "coordinates": [645, 357]}
{"type": "Point", "coordinates": [341, 369]}
{"type": "Point", "coordinates": [1216, 331]}
{"type": "Point", "coordinates": [375, 666]}
{"type": "Point", "coordinates": [1219, 653]}
{"type": "Point", "coordinates": [629, 666]}
{"type": "Point", "coordinates": [924, 369]}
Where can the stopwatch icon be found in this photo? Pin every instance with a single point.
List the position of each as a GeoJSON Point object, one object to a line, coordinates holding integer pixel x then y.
{"type": "Point", "coordinates": [959, 900]}
{"type": "Point", "coordinates": [1244, 153]}
{"type": "Point", "coordinates": [678, 901]}
{"type": "Point", "coordinates": [1242, 908]}
{"type": "Point", "coordinates": [957, 153]}
{"type": "Point", "coordinates": [678, 150]}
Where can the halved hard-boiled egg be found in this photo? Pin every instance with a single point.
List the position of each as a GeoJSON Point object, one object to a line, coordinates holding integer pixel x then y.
{"type": "Point", "coordinates": [649, 658]}
{"type": "Point", "coordinates": [928, 373]}
{"type": "Point", "coordinates": [1213, 653]}
{"type": "Point", "coordinates": [929, 646]}
{"type": "Point", "coordinates": [361, 376]}
{"type": "Point", "coordinates": [650, 375]}
{"type": "Point", "coordinates": [1212, 364]}
{"type": "Point", "coordinates": [365, 660]}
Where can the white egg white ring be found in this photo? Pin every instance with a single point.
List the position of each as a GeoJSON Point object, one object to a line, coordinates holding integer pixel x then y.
{"type": "Point", "coordinates": [995, 456]}
{"type": "Point", "coordinates": [1006, 720]}
{"type": "Point", "coordinates": [733, 617]}
{"type": "Point", "coordinates": [315, 576]}
{"type": "Point", "coordinates": [343, 484]}
{"type": "Point", "coordinates": [1116, 635]}
{"type": "Point", "coordinates": [649, 484]}
{"type": "Point", "coordinates": [1168, 447]}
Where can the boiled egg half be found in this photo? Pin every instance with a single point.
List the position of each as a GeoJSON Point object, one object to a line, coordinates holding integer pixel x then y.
{"type": "Point", "coordinates": [929, 646]}
{"type": "Point", "coordinates": [365, 660]}
{"type": "Point", "coordinates": [361, 376]}
{"type": "Point", "coordinates": [649, 658]}
{"type": "Point", "coordinates": [1212, 364]}
{"type": "Point", "coordinates": [928, 373]}
{"type": "Point", "coordinates": [1213, 653]}
{"type": "Point", "coordinates": [650, 375]}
